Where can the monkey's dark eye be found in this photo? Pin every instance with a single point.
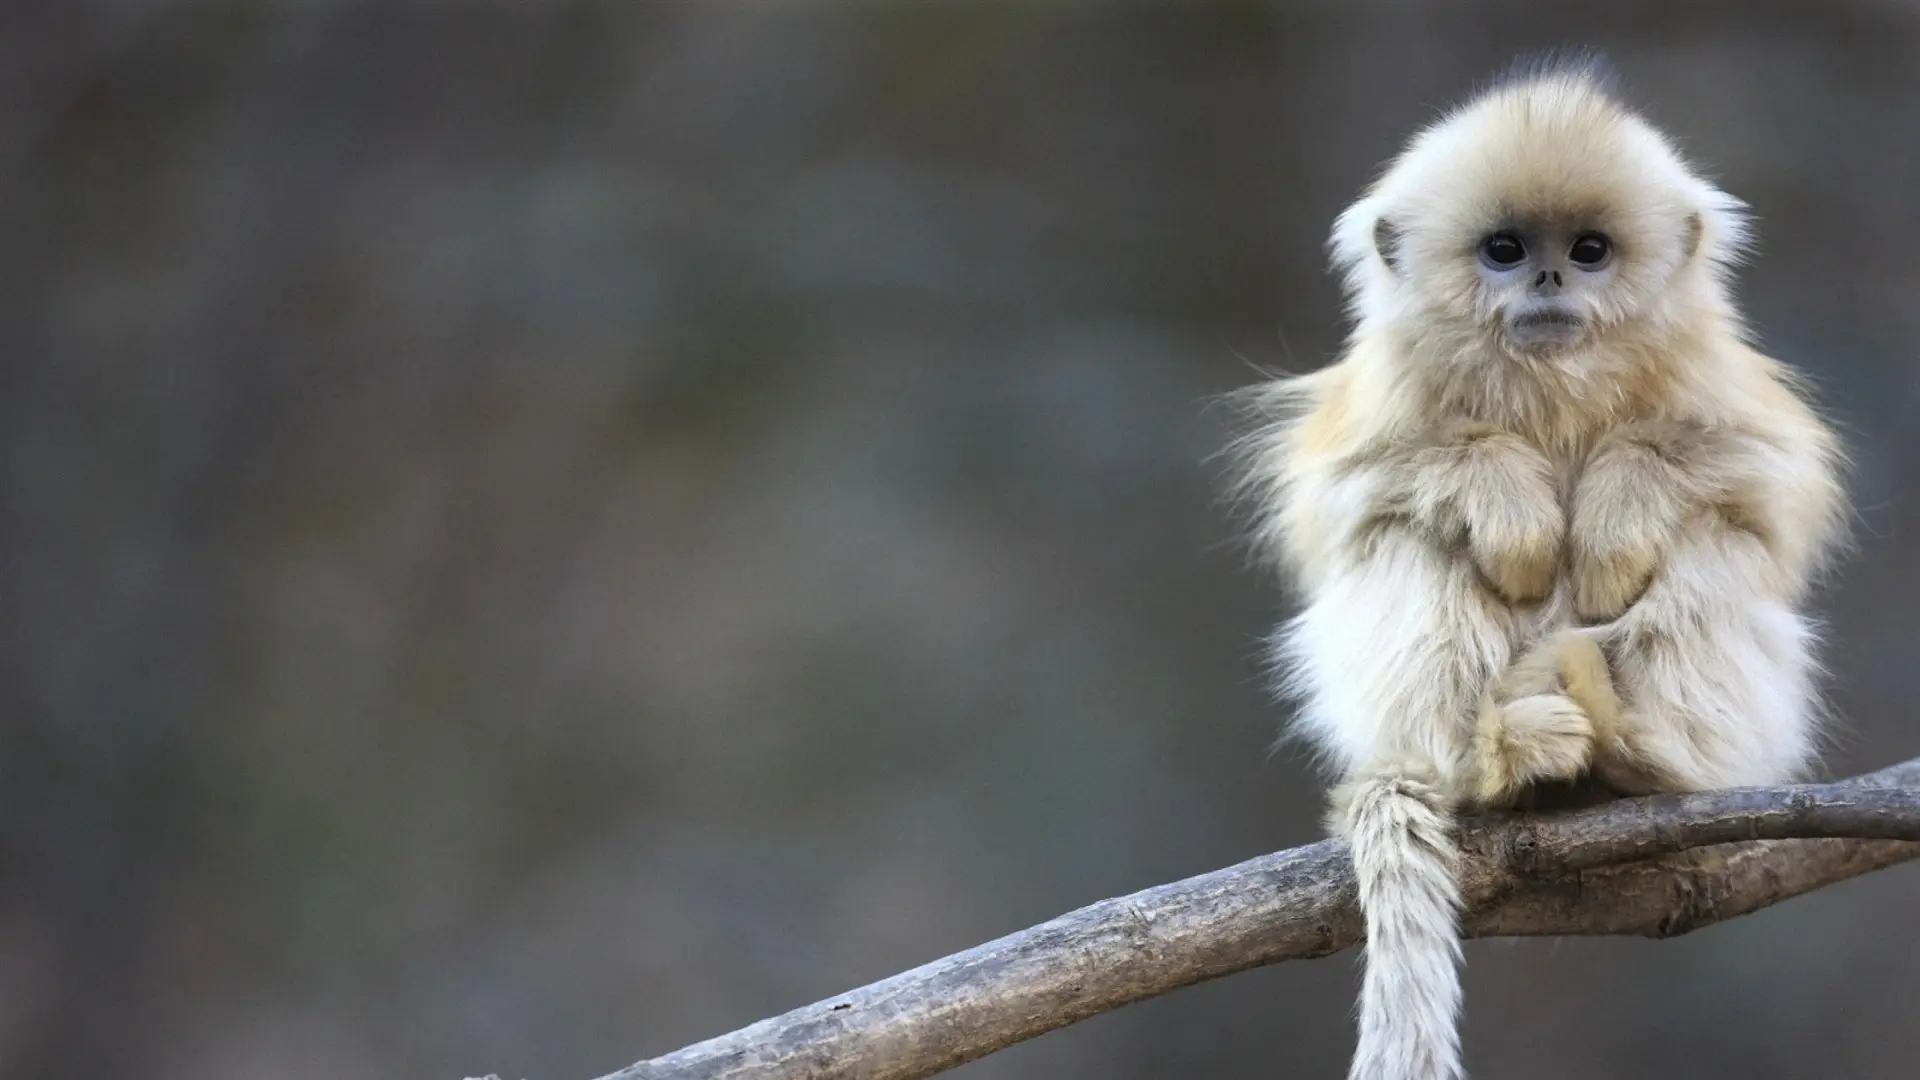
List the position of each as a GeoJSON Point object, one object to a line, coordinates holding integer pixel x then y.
{"type": "Point", "coordinates": [1590, 250]}
{"type": "Point", "coordinates": [1503, 250]}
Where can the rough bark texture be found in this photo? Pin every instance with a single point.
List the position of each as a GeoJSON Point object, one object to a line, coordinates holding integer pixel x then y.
{"type": "Point", "coordinates": [1656, 867]}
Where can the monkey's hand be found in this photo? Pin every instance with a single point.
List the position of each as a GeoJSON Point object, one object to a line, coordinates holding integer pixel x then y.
{"type": "Point", "coordinates": [1542, 719]}
{"type": "Point", "coordinates": [1494, 493]}
{"type": "Point", "coordinates": [1639, 487]}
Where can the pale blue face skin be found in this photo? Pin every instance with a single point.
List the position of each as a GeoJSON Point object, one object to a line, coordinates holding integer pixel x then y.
{"type": "Point", "coordinates": [1546, 280]}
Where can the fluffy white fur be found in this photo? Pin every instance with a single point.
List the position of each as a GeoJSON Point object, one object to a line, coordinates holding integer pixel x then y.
{"type": "Point", "coordinates": [1522, 564]}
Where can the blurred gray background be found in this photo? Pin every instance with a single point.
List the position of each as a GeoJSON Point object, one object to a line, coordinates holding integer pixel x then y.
{"type": "Point", "coordinates": [537, 534]}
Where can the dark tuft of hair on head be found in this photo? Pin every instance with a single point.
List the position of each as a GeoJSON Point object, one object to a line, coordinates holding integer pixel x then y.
{"type": "Point", "coordinates": [1582, 63]}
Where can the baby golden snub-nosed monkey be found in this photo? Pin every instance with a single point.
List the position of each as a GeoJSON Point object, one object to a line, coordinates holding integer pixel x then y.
{"type": "Point", "coordinates": [1551, 516]}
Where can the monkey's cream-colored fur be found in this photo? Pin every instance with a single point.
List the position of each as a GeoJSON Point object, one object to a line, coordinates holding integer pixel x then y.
{"type": "Point", "coordinates": [1524, 563]}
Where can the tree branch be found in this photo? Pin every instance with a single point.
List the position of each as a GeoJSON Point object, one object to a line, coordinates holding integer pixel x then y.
{"type": "Point", "coordinates": [1658, 866]}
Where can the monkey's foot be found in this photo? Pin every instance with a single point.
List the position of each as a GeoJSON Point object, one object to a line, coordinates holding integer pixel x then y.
{"type": "Point", "coordinates": [1527, 740]}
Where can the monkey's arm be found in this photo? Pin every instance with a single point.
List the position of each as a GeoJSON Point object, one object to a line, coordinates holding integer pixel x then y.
{"type": "Point", "coordinates": [1692, 545]}
{"type": "Point", "coordinates": [1463, 488]}
{"type": "Point", "coordinates": [1492, 493]}
{"type": "Point", "coordinates": [1646, 484]}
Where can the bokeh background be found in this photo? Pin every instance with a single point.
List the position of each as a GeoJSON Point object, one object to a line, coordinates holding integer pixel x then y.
{"type": "Point", "coordinates": [535, 534]}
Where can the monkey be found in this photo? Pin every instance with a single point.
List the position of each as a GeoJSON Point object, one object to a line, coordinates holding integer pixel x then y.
{"type": "Point", "coordinates": [1551, 516]}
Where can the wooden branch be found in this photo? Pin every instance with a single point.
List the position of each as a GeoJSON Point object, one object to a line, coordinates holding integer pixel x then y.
{"type": "Point", "coordinates": [1657, 866]}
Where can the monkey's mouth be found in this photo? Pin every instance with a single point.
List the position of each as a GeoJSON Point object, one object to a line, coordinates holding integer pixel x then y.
{"type": "Point", "coordinates": [1549, 318]}
{"type": "Point", "coordinates": [1546, 329]}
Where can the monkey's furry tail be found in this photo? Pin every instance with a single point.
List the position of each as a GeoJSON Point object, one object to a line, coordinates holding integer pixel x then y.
{"type": "Point", "coordinates": [1407, 864]}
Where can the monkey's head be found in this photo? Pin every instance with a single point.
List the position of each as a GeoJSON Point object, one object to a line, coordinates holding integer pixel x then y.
{"type": "Point", "coordinates": [1543, 217]}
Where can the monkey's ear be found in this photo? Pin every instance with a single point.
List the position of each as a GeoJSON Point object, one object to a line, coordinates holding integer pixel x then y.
{"type": "Point", "coordinates": [1386, 241]}
{"type": "Point", "coordinates": [1696, 229]}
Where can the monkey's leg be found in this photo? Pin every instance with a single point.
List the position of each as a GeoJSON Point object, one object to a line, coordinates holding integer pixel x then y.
{"type": "Point", "coordinates": [1391, 656]}
{"type": "Point", "coordinates": [1714, 672]}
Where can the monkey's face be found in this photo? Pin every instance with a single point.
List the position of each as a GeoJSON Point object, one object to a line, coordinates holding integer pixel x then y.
{"type": "Point", "coordinates": [1547, 283]}
{"type": "Point", "coordinates": [1544, 221]}
{"type": "Point", "coordinates": [1551, 267]}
